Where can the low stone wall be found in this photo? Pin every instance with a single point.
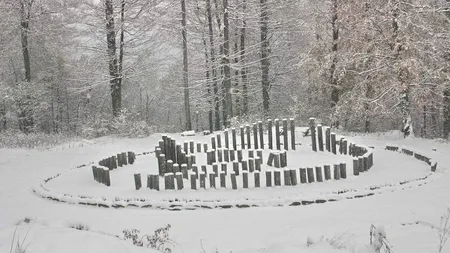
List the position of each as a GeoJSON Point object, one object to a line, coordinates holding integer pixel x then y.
{"type": "Point", "coordinates": [418, 155]}
{"type": "Point", "coordinates": [101, 171]}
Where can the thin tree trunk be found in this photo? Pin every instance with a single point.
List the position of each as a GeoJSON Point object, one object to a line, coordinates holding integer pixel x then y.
{"type": "Point", "coordinates": [147, 107]}
{"type": "Point", "coordinates": [25, 22]}
{"type": "Point", "coordinates": [446, 130]}
{"type": "Point", "coordinates": [68, 110]}
{"type": "Point", "coordinates": [227, 71]}
{"type": "Point", "coordinates": [3, 116]}
{"type": "Point", "coordinates": [369, 88]}
{"type": "Point", "coordinates": [116, 89]}
{"type": "Point", "coordinates": [335, 90]}
{"type": "Point", "coordinates": [26, 120]}
{"type": "Point", "coordinates": [222, 86]}
{"type": "Point", "coordinates": [213, 64]}
{"type": "Point", "coordinates": [208, 79]}
{"type": "Point", "coordinates": [446, 95]}
{"type": "Point", "coordinates": [244, 69]}
{"type": "Point", "coordinates": [238, 106]}
{"type": "Point", "coordinates": [404, 94]}
{"type": "Point", "coordinates": [121, 45]}
{"type": "Point", "coordinates": [208, 85]}
{"type": "Point", "coordinates": [52, 108]}
{"type": "Point", "coordinates": [265, 53]}
{"type": "Point", "coordinates": [187, 107]}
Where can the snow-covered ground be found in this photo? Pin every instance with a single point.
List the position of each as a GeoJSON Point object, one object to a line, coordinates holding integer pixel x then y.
{"type": "Point", "coordinates": [406, 211]}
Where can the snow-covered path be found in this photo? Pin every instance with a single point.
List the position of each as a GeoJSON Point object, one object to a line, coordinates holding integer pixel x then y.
{"type": "Point", "coordinates": [268, 229]}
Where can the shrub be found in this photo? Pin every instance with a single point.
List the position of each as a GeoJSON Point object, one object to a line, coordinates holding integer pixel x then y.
{"type": "Point", "coordinates": [79, 226]}
{"type": "Point", "coordinates": [127, 124]}
{"type": "Point", "coordinates": [159, 240]}
{"type": "Point", "coordinates": [338, 242]}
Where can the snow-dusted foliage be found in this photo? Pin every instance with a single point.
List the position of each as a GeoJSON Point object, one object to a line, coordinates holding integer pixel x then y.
{"type": "Point", "coordinates": [127, 124]}
{"type": "Point", "coordinates": [160, 240]}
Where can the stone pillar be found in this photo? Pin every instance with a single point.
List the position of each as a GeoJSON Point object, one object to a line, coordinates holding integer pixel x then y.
{"type": "Point", "coordinates": [257, 179]}
{"type": "Point", "coordinates": [333, 143]}
{"type": "Point", "coordinates": [312, 130]}
{"type": "Point", "coordinates": [242, 138]}
{"type": "Point", "coordinates": [310, 175]}
{"type": "Point", "coordinates": [277, 177]}
{"type": "Point", "coordinates": [343, 170]}
{"type": "Point", "coordinates": [269, 178]}
{"type": "Point", "coordinates": [245, 179]}
{"type": "Point", "coordinates": [233, 180]}
{"type": "Point", "coordinates": [255, 136]}
{"type": "Point", "coordinates": [277, 134]}
{"type": "Point", "coordinates": [227, 139]}
{"type": "Point", "coordinates": [292, 121]}
{"type": "Point", "coordinates": [320, 137]}
{"type": "Point", "coordinates": [269, 131]}
{"type": "Point", "coordinates": [249, 140]}
{"type": "Point", "coordinates": [203, 180]}
{"type": "Point", "coordinates": [294, 180]}
{"type": "Point", "coordinates": [328, 139]}
{"type": "Point", "coordinates": [169, 181]}
{"type": "Point", "coordinates": [355, 167]}
{"type": "Point", "coordinates": [233, 134]}
{"type": "Point", "coordinates": [179, 179]}
{"type": "Point", "coordinates": [337, 172]}
{"type": "Point", "coordinates": [236, 168]}
{"type": "Point", "coordinates": [319, 176]}
{"type": "Point", "coordinates": [285, 135]}
{"type": "Point", "coordinates": [261, 135]}
{"type": "Point", "coordinates": [287, 177]}
{"type": "Point", "coordinates": [213, 142]}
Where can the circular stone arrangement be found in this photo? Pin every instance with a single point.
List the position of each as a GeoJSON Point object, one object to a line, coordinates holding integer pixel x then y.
{"type": "Point", "coordinates": [194, 176]}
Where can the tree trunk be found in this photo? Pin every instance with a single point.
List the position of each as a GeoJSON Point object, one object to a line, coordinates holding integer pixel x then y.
{"type": "Point", "coordinates": [238, 106]}
{"type": "Point", "coordinates": [446, 95]}
{"type": "Point", "coordinates": [244, 69]}
{"type": "Point", "coordinates": [66, 91]}
{"type": "Point", "coordinates": [208, 86]}
{"type": "Point", "coordinates": [116, 89]}
{"type": "Point", "coordinates": [187, 107]}
{"type": "Point", "coordinates": [121, 45]}
{"type": "Point", "coordinates": [369, 88]}
{"type": "Point", "coordinates": [334, 48]}
{"type": "Point", "coordinates": [213, 64]}
{"type": "Point", "coordinates": [404, 94]}
{"type": "Point", "coordinates": [219, 26]}
{"type": "Point", "coordinates": [446, 131]}
{"type": "Point", "coordinates": [265, 53]}
{"type": "Point", "coordinates": [147, 107]}
{"type": "Point", "coordinates": [25, 22]}
{"type": "Point", "coordinates": [227, 72]}
{"type": "Point", "coordinates": [26, 120]}
{"type": "Point", "coordinates": [3, 117]}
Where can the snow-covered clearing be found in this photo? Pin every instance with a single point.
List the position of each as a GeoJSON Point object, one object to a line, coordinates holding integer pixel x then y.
{"type": "Point", "coordinates": [263, 229]}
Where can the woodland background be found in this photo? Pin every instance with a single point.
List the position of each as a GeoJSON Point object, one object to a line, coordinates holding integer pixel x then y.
{"type": "Point", "coordinates": [97, 67]}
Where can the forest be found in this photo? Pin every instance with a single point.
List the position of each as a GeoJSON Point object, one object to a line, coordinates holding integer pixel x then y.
{"type": "Point", "coordinates": [132, 67]}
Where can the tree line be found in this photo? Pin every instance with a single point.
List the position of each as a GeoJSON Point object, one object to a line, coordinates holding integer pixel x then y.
{"type": "Point", "coordinates": [96, 67]}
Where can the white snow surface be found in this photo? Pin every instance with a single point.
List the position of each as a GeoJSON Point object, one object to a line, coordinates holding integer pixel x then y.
{"type": "Point", "coordinates": [407, 215]}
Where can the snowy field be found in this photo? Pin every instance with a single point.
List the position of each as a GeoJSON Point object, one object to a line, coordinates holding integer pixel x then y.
{"type": "Point", "coordinates": [409, 211]}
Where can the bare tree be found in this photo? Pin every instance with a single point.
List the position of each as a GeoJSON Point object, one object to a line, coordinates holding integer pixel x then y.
{"type": "Point", "coordinates": [227, 72]}
{"type": "Point", "coordinates": [26, 120]}
{"type": "Point", "coordinates": [187, 106]}
{"type": "Point", "coordinates": [115, 84]}
{"type": "Point", "coordinates": [265, 53]}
